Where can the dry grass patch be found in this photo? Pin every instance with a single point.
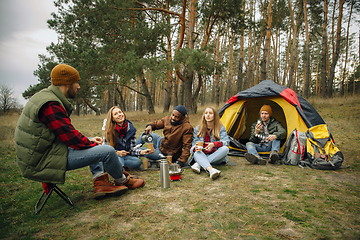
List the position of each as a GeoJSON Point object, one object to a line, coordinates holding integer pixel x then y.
{"type": "Point", "coordinates": [246, 202]}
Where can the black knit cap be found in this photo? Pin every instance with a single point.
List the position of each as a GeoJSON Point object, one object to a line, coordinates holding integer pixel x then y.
{"type": "Point", "coordinates": [181, 109]}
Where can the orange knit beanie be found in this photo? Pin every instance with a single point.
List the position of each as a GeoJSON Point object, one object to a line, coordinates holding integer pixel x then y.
{"type": "Point", "coordinates": [63, 74]}
{"type": "Point", "coordinates": [266, 108]}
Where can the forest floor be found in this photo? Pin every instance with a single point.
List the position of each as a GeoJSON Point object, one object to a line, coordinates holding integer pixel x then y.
{"type": "Point", "coordinates": [246, 202]}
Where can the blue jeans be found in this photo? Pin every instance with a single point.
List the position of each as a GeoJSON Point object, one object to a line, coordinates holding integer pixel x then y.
{"type": "Point", "coordinates": [96, 157]}
{"type": "Point", "coordinates": [130, 161]}
{"type": "Point", "coordinates": [157, 141]}
{"type": "Point", "coordinates": [215, 158]}
{"type": "Point", "coordinates": [254, 148]}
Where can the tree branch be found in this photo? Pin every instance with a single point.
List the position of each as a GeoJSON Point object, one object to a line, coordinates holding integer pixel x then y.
{"type": "Point", "coordinates": [130, 89]}
{"type": "Point", "coordinates": [150, 9]}
{"type": "Point", "coordinates": [209, 28]}
{"type": "Point", "coordinates": [91, 106]}
{"type": "Point", "coordinates": [179, 75]}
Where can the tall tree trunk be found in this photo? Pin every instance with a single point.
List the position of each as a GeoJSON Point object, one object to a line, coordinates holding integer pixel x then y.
{"type": "Point", "coordinates": [152, 83]}
{"type": "Point", "coordinates": [108, 99]}
{"type": "Point", "coordinates": [294, 47]}
{"type": "Point", "coordinates": [191, 102]}
{"type": "Point", "coordinates": [140, 99]}
{"type": "Point", "coordinates": [113, 99]}
{"type": "Point", "coordinates": [168, 93]}
{"type": "Point", "coordinates": [217, 74]}
{"type": "Point", "coordinates": [182, 93]}
{"type": "Point", "coordinates": [180, 43]}
{"type": "Point", "coordinates": [223, 75]}
{"type": "Point", "coordinates": [192, 20]}
{"type": "Point", "coordinates": [169, 81]}
{"type": "Point", "coordinates": [196, 93]}
{"type": "Point", "coordinates": [318, 78]}
{"type": "Point", "coordinates": [188, 77]}
{"type": "Point", "coordinates": [213, 89]}
{"type": "Point", "coordinates": [263, 72]}
{"type": "Point", "coordinates": [146, 92]}
{"type": "Point", "coordinates": [307, 54]}
{"type": "Point", "coordinates": [188, 101]}
{"type": "Point", "coordinates": [240, 81]}
{"type": "Point", "coordinates": [342, 86]}
{"type": "Point", "coordinates": [324, 51]}
{"type": "Point", "coordinates": [276, 47]}
{"type": "Point", "coordinates": [257, 54]}
{"type": "Point", "coordinates": [268, 20]}
{"type": "Point", "coordinates": [249, 72]}
{"type": "Point", "coordinates": [332, 38]}
{"type": "Point", "coordinates": [122, 99]}
{"type": "Point", "coordinates": [337, 49]}
{"type": "Point", "coordinates": [229, 84]}
{"type": "Point", "coordinates": [176, 91]}
{"type": "Point", "coordinates": [287, 57]}
{"type": "Point", "coordinates": [203, 94]}
{"type": "Point", "coordinates": [240, 77]}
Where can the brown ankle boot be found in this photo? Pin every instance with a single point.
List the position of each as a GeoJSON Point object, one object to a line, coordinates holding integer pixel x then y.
{"type": "Point", "coordinates": [103, 187]}
{"type": "Point", "coordinates": [130, 182]}
{"type": "Point", "coordinates": [133, 176]}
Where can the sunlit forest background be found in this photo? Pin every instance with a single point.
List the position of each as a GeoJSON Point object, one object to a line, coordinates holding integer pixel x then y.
{"type": "Point", "coordinates": [142, 54]}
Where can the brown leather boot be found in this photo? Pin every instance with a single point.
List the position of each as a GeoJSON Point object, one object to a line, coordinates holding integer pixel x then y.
{"type": "Point", "coordinates": [131, 175]}
{"type": "Point", "coordinates": [103, 188]}
{"type": "Point", "coordinates": [131, 183]}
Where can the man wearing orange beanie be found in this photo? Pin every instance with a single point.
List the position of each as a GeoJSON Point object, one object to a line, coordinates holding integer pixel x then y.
{"type": "Point", "coordinates": [265, 136]}
{"type": "Point", "coordinates": [48, 145]}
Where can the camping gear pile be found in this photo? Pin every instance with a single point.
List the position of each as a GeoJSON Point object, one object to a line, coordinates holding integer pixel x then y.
{"type": "Point", "coordinates": [296, 115]}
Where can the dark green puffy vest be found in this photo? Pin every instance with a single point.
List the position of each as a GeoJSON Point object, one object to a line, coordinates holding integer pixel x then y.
{"type": "Point", "coordinates": [40, 155]}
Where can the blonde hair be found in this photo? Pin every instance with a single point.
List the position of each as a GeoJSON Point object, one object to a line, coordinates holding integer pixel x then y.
{"type": "Point", "coordinates": [110, 128]}
{"type": "Point", "coordinates": [217, 125]}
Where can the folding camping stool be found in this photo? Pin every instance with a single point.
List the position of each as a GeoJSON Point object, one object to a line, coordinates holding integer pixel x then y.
{"type": "Point", "coordinates": [48, 189]}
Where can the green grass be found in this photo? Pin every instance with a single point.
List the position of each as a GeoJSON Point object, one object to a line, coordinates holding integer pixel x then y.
{"type": "Point", "coordinates": [246, 202]}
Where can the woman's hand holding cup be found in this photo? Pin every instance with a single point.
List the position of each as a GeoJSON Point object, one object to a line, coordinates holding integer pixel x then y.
{"type": "Point", "coordinates": [199, 146]}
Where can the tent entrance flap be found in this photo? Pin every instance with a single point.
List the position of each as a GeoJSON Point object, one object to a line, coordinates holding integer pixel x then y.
{"type": "Point", "coordinates": [247, 113]}
{"type": "Point", "coordinates": [237, 126]}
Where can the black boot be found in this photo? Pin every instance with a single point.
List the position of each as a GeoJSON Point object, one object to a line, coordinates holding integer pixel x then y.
{"type": "Point", "coordinates": [254, 159]}
{"type": "Point", "coordinates": [274, 157]}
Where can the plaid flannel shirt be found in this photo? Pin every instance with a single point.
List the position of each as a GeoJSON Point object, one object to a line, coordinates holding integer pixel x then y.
{"type": "Point", "coordinates": [54, 116]}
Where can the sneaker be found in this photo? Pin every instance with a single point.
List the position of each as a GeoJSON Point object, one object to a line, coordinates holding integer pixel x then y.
{"type": "Point", "coordinates": [274, 157]}
{"type": "Point", "coordinates": [214, 173]}
{"type": "Point", "coordinates": [196, 168]}
{"type": "Point", "coordinates": [254, 159]}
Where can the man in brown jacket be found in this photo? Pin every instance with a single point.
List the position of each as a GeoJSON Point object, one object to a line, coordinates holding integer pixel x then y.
{"type": "Point", "coordinates": [177, 140]}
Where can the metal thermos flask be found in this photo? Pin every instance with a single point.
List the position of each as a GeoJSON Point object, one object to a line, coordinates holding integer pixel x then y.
{"type": "Point", "coordinates": [164, 174]}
